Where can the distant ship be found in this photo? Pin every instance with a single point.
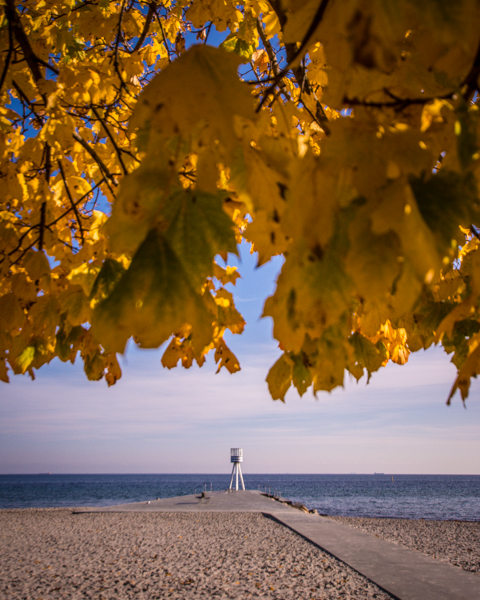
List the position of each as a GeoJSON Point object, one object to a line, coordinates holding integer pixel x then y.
{"type": "Point", "coordinates": [379, 473]}
{"type": "Point", "coordinates": [44, 473]}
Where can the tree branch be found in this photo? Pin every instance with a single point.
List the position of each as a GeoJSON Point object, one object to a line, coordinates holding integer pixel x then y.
{"type": "Point", "coordinates": [96, 158]}
{"type": "Point", "coordinates": [26, 99]}
{"type": "Point", "coordinates": [151, 12]}
{"type": "Point", "coordinates": [9, 56]}
{"type": "Point", "coordinates": [74, 206]}
{"type": "Point", "coordinates": [473, 229]}
{"type": "Point", "coordinates": [32, 59]}
{"type": "Point", "coordinates": [272, 56]}
{"type": "Point", "coordinates": [292, 61]}
{"type": "Point", "coordinates": [471, 80]}
{"type": "Point", "coordinates": [116, 64]}
{"type": "Point", "coordinates": [43, 209]}
{"type": "Point", "coordinates": [160, 24]}
{"type": "Point", "coordinates": [111, 138]}
{"type": "Point", "coordinates": [396, 102]}
{"type": "Point", "coordinates": [76, 203]}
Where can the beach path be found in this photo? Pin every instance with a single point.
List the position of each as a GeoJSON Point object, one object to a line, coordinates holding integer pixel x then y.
{"type": "Point", "coordinates": [403, 573]}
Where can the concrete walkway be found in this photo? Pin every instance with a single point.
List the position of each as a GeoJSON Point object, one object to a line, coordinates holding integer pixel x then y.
{"type": "Point", "coordinates": [403, 573]}
{"type": "Point", "coordinates": [248, 501]}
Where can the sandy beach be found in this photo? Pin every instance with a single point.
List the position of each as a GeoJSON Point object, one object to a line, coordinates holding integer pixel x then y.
{"type": "Point", "coordinates": [52, 553]}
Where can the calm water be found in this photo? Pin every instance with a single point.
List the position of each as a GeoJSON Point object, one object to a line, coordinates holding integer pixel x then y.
{"type": "Point", "coordinates": [408, 496]}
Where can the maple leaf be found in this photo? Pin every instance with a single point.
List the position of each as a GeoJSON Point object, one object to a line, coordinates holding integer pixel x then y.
{"type": "Point", "coordinates": [130, 160]}
{"type": "Point", "coordinates": [152, 300]}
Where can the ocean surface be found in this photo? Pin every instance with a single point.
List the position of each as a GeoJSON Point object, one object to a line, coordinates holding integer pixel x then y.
{"type": "Point", "coordinates": [444, 497]}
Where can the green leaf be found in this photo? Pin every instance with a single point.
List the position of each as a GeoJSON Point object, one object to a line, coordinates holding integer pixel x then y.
{"type": "Point", "coordinates": [199, 229]}
{"type": "Point", "coordinates": [240, 47]}
{"type": "Point", "coordinates": [64, 341]}
{"type": "Point", "coordinates": [367, 353]}
{"type": "Point", "coordinates": [154, 298]}
{"type": "Point", "coordinates": [108, 276]}
{"type": "Point", "coordinates": [447, 200]}
{"type": "Point", "coordinates": [301, 376]}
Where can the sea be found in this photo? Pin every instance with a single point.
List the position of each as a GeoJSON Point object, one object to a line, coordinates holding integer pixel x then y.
{"type": "Point", "coordinates": [439, 497]}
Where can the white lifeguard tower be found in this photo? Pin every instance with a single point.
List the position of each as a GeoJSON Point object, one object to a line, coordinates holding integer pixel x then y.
{"type": "Point", "coordinates": [236, 457]}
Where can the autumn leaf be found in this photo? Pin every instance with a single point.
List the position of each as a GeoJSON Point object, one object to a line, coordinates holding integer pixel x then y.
{"type": "Point", "coordinates": [153, 299]}
{"type": "Point", "coordinates": [342, 137]}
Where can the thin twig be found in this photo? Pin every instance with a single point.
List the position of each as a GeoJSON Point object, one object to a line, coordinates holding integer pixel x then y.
{"type": "Point", "coordinates": [75, 209]}
{"type": "Point", "coordinates": [95, 157]}
{"type": "Point", "coordinates": [54, 222]}
{"type": "Point", "coordinates": [301, 50]}
{"type": "Point", "coordinates": [78, 7]}
{"type": "Point", "coordinates": [396, 102]}
{"type": "Point", "coordinates": [208, 33]}
{"type": "Point", "coordinates": [19, 258]}
{"type": "Point", "coordinates": [111, 138]}
{"type": "Point", "coordinates": [47, 65]}
{"type": "Point", "coordinates": [26, 99]}
{"type": "Point", "coordinates": [473, 229]}
{"type": "Point", "coordinates": [77, 202]}
{"type": "Point", "coordinates": [163, 35]}
{"type": "Point", "coordinates": [117, 43]}
{"type": "Point", "coordinates": [272, 57]}
{"type": "Point", "coordinates": [43, 209]}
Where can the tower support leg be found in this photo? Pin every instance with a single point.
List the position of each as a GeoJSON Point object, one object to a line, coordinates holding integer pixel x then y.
{"type": "Point", "coordinates": [241, 477]}
{"type": "Point", "coordinates": [233, 473]}
{"type": "Point", "coordinates": [236, 471]}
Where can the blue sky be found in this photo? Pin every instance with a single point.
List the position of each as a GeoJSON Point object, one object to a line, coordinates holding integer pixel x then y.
{"type": "Point", "coordinates": [185, 421]}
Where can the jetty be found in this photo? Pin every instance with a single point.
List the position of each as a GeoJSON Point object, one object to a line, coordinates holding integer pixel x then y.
{"type": "Point", "coordinates": [404, 574]}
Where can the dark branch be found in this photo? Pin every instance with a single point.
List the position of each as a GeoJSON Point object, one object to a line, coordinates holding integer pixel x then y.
{"type": "Point", "coordinates": [397, 103]}
{"type": "Point", "coordinates": [96, 158]}
{"type": "Point", "coordinates": [471, 80]}
{"type": "Point", "coordinates": [74, 206]}
{"type": "Point", "coordinates": [117, 43]}
{"type": "Point", "coordinates": [151, 12]}
{"type": "Point", "coordinates": [43, 209]}
{"type": "Point", "coordinates": [292, 61]}
{"type": "Point", "coordinates": [76, 203]}
{"type": "Point", "coordinates": [9, 56]}
{"type": "Point", "coordinates": [32, 59]}
{"type": "Point", "coordinates": [272, 56]}
{"type": "Point", "coordinates": [111, 138]}
{"type": "Point", "coordinates": [473, 229]}
{"type": "Point", "coordinates": [160, 24]}
{"type": "Point", "coordinates": [26, 99]}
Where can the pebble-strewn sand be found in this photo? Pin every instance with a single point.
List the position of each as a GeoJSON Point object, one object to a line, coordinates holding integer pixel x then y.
{"type": "Point", "coordinates": [456, 542]}
{"type": "Point", "coordinates": [52, 553]}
